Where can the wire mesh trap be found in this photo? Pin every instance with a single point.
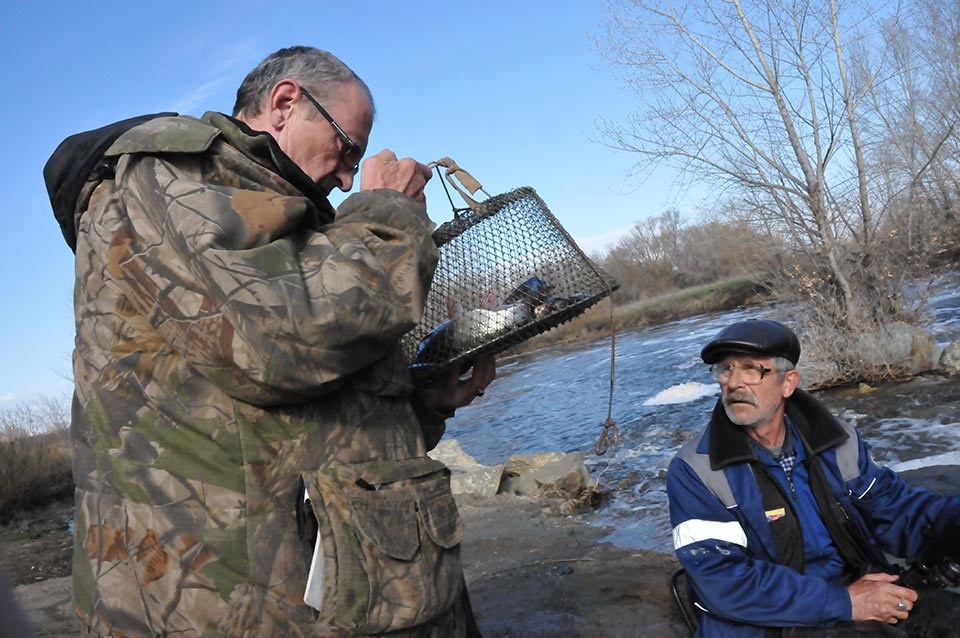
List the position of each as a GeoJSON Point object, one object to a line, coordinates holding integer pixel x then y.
{"type": "Point", "coordinates": [508, 271]}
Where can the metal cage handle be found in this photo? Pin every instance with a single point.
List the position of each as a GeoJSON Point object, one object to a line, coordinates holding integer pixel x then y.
{"type": "Point", "coordinates": [455, 174]}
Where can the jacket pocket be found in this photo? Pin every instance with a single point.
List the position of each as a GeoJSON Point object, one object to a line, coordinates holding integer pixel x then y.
{"type": "Point", "coordinates": [387, 549]}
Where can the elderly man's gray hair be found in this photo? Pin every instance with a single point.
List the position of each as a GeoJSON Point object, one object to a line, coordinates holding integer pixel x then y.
{"type": "Point", "coordinates": [320, 71]}
{"type": "Point", "coordinates": [782, 366]}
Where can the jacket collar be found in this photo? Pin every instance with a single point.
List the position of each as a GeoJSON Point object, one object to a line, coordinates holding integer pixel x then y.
{"type": "Point", "coordinates": [816, 427]}
{"type": "Point", "coordinates": [263, 149]}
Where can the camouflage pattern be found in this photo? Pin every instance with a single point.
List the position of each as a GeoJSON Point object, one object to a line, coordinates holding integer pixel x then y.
{"type": "Point", "coordinates": [375, 537]}
{"type": "Point", "coordinates": [232, 336]}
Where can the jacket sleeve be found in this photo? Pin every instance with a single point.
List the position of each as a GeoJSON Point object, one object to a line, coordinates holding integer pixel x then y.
{"type": "Point", "coordinates": [728, 578]}
{"type": "Point", "coordinates": [234, 279]}
{"type": "Point", "coordinates": [901, 518]}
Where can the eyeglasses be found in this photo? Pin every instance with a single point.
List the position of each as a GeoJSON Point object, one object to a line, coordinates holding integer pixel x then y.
{"type": "Point", "coordinates": [351, 152]}
{"type": "Point", "coordinates": [750, 373]}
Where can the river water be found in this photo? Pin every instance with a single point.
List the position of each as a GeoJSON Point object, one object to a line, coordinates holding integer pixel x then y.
{"type": "Point", "coordinates": [556, 399]}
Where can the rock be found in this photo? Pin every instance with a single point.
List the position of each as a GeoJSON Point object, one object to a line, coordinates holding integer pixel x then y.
{"type": "Point", "coordinates": [466, 475]}
{"type": "Point", "coordinates": [549, 474]}
{"type": "Point", "coordinates": [525, 463]}
{"type": "Point", "coordinates": [897, 349]}
{"type": "Point", "coordinates": [519, 469]}
{"type": "Point", "coordinates": [518, 485]}
{"type": "Point", "coordinates": [939, 479]}
{"type": "Point", "coordinates": [909, 346]}
{"type": "Point", "coordinates": [900, 346]}
{"type": "Point", "coordinates": [950, 357]}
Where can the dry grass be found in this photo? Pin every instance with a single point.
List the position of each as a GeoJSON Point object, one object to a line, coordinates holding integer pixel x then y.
{"type": "Point", "coordinates": [34, 455]}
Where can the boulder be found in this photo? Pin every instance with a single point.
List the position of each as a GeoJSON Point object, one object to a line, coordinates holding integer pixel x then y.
{"type": "Point", "coordinates": [559, 478]}
{"type": "Point", "coordinates": [816, 372]}
{"type": "Point", "coordinates": [526, 463]}
{"type": "Point", "coordinates": [939, 479]}
{"type": "Point", "coordinates": [467, 476]}
{"type": "Point", "coordinates": [548, 474]}
{"type": "Point", "coordinates": [900, 346]}
{"type": "Point", "coordinates": [950, 357]}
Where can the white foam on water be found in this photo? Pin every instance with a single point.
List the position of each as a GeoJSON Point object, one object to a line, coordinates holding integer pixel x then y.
{"type": "Point", "coordinates": [947, 458]}
{"type": "Point", "coordinates": [683, 393]}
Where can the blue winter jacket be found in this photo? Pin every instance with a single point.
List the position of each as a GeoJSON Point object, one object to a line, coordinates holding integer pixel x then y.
{"type": "Point", "coordinates": [722, 536]}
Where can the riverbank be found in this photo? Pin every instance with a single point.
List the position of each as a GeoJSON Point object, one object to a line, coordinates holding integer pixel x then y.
{"type": "Point", "coordinates": [530, 571]}
{"type": "Point", "coordinates": [534, 574]}
{"type": "Point", "coordinates": [680, 304]}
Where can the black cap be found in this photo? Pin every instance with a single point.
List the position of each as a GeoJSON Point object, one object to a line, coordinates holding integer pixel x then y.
{"type": "Point", "coordinates": [755, 336]}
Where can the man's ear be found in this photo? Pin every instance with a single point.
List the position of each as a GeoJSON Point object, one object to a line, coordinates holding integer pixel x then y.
{"type": "Point", "coordinates": [790, 381]}
{"type": "Point", "coordinates": [283, 96]}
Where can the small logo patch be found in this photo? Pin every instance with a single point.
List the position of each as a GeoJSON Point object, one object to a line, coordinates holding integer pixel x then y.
{"type": "Point", "coordinates": [775, 515]}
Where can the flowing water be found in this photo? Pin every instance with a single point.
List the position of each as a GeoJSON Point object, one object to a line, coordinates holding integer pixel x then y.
{"type": "Point", "coordinates": [557, 399]}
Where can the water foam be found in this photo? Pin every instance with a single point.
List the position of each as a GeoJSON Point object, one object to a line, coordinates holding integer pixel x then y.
{"type": "Point", "coordinates": [947, 458]}
{"type": "Point", "coordinates": [683, 393]}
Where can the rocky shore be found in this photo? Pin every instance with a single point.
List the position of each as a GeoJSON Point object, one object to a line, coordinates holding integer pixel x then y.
{"type": "Point", "coordinates": [531, 572]}
{"type": "Point", "coordinates": [535, 566]}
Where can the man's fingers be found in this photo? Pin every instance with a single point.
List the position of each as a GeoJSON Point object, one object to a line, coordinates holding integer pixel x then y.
{"type": "Point", "coordinates": [875, 597]}
{"type": "Point", "coordinates": [384, 155]}
{"type": "Point", "coordinates": [406, 175]}
{"type": "Point", "coordinates": [484, 371]}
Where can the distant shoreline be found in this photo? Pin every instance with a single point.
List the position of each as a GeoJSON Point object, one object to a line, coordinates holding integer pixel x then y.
{"type": "Point", "coordinates": [595, 323]}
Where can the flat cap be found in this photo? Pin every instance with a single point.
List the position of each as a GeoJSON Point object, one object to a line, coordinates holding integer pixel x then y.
{"type": "Point", "coordinates": [754, 336]}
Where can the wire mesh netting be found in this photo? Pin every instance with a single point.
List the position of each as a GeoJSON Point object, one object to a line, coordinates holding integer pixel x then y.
{"type": "Point", "coordinates": [508, 271]}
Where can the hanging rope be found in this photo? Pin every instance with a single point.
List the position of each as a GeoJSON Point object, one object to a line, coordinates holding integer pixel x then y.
{"type": "Point", "coordinates": [610, 435]}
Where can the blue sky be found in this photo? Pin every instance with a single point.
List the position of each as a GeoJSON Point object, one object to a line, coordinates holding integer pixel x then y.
{"type": "Point", "coordinates": [511, 90]}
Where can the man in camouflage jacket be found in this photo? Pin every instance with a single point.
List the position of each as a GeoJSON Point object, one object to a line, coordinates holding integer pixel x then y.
{"type": "Point", "coordinates": [235, 333]}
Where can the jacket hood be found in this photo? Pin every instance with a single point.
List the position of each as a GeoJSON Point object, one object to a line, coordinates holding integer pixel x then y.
{"type": "Point", "coordinates": [88, 158]}
{"type": "Point", "coordinates": [76, 161]}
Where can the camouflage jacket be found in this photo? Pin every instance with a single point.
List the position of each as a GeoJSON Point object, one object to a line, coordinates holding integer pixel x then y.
{"type": "Point", "coordinates": [232, 333]}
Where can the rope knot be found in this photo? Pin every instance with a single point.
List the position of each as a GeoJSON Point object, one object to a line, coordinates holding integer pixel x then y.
{"type": "Point", "coordinates": [603, 443]}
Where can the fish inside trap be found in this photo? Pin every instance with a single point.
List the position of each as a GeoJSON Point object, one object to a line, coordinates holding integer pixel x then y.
{"type": "Point", "coordinates": [507, 271]}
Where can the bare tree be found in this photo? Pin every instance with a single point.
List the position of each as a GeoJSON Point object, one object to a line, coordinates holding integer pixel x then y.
{"type": "Point", "coordinates": [664, 253]}
{"type": "Point", "coordinates": [645, 261]}
{"type": "Point", "coordinates": [758, 98]}
{"type": "Point", "coordinates": [716, 249]}
{"type": "Point", "coordinates": [916, 127]}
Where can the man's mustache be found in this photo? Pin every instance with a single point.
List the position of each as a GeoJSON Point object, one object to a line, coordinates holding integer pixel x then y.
{"type": "Point", "coordinates": [741, 397]}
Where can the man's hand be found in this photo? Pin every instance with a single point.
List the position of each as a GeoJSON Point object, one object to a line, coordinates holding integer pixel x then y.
{"type": "Point", "coordinates": [406, 175]}
{"type": "Point", "coordinates": [875, 597]}
{"type": "Point", "coordinates": [454, 390]}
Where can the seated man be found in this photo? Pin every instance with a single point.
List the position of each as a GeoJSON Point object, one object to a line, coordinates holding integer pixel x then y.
{"type": "Point", "coordinates": [781, 518]}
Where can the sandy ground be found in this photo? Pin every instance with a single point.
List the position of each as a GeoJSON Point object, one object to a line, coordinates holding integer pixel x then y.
{"type": "Point", "coordinates": [530, 573]}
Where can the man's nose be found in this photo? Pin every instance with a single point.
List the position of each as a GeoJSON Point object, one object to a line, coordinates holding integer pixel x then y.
{"type": "Point", "coordinates": [344, 178]}
{"type": "Point", "coordinates": [736, 378]}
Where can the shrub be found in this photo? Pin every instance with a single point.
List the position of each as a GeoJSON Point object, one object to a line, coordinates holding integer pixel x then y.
{"type": "Point", "coordinates": [34, 455]}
